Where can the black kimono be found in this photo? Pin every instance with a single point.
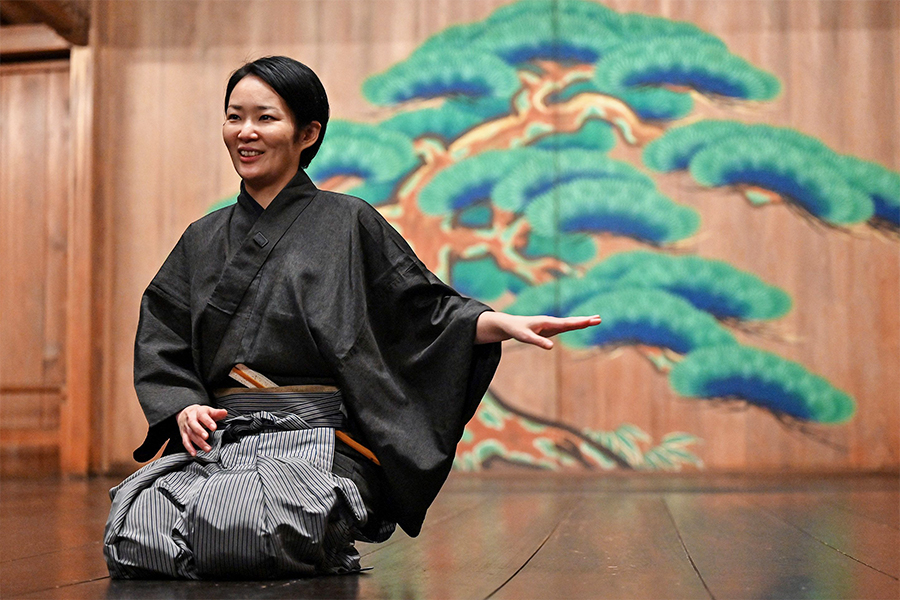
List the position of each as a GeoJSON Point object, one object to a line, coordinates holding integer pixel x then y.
{"type": "Point", "coordinates": [317, 289]}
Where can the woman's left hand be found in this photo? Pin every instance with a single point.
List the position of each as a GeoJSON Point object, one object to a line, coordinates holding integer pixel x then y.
{"type": "Point", "coordinates": [497, 327]}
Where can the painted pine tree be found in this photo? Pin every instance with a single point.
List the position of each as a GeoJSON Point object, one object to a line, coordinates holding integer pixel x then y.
{"type": "Point", "coordinates": [498, 147]}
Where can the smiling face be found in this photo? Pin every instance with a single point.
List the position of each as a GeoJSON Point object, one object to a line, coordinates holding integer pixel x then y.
{"type": "Point", "coordinates": [262, 139]}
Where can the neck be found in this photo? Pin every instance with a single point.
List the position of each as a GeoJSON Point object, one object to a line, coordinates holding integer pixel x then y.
{"type": "Point", "coordinates": [265, 193]}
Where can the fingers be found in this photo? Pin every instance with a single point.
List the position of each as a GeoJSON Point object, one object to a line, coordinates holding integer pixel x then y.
{"type": "Point", "coordinates": [195, 422]}
{"type": "Point", "coordinates": [534, 335]}
{"type": "Point", "coordinates": [537, 330]}
{"type": "Point", "coordinates": [497, 327]}
{"type": "Point", "coordinates": [535, 339]}
{"type": "Point", "coordinates": [209, 416]}
{"type": "Point", "coordinates": [186, 442]}
{"type": "Point", "coordinates": [196, 435]}
{"type": "Point", "coordinates": [581, 322]}
{"type": "Point", "coordinates": [556, 326]}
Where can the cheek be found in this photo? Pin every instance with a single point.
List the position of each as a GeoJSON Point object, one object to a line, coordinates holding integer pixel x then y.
{"type": "Point", "coordinates": [229, 135]}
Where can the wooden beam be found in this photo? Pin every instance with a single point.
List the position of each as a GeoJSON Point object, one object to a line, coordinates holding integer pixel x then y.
{"type": "Point", "coordinates": [35, 38]}
{"type": "Point", "coordinates": [17, 13]}
{"type": "Point", "coordinates": [70, 18]}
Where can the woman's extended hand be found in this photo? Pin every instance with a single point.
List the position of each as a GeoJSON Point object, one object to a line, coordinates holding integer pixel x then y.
{"type": "Point", "coordinates": [497, 326]}
{"type": "Point", "coordinates": [193, 423]}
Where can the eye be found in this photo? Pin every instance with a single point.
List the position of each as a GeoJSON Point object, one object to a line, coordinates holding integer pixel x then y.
{"type": "Point", "coordinates": [266, 118]}
{"type": "Point", "coordinates": [232, 117]}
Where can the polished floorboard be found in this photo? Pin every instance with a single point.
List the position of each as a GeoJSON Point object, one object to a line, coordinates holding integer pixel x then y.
{"type": "Point", "coordinates": [525, 536]}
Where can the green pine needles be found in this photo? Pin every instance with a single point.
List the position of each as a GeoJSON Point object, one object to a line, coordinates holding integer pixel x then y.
{"type": "Point", "coordinates": [473, 179]}
{"type": "Point", "coordinates": [625, 208]}
{"type": "Point", "coordinates": [495, 137]}
{"type": "Point", "coordinates": [836, 189]}
{"type": "Point", "coordinates": [713, 286]}
{"type": "Point", "coordinates": [378, 156]}
{"type": "Point", "coordinates": [648, 317]}
{"type": "Point", "coordinates": [763, 379]}
{"type": "Point", "coordinates": [465, 72]}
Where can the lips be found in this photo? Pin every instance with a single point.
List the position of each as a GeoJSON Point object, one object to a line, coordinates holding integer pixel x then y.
{"type": "Point", "coordinates": [249, 155]}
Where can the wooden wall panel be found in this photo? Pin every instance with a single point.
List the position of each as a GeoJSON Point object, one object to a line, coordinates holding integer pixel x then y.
{"type": "Point", "coordinates": [162, 67]}
{"type": "Point", "coordinates": [34, 161]}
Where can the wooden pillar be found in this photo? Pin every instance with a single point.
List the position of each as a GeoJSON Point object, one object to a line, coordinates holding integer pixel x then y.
{"type": "Point", "coordinates": [76, 410]}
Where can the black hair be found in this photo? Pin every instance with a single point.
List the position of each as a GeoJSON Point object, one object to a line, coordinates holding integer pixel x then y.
{"type": "Point", "coordinates": [298, 86]}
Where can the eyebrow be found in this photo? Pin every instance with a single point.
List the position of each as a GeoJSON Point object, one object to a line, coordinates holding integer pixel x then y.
{"type": "Point", "coordinates": [260, 107]}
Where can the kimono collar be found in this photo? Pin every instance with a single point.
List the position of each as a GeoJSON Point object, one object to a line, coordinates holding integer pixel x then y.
{"type": "Point", "coordinates": [249, 203]}
{"type": "Point", "coordinates": [242, 267]}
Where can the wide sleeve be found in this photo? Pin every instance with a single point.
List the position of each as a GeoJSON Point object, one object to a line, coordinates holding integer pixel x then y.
{"type": "Point", "coordinates": [165, 375]}
{"type": "Point", "coordinates": [413, 375]}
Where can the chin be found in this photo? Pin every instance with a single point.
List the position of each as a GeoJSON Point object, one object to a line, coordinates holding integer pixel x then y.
{"type": "Point", "coordinates": [246, 174]}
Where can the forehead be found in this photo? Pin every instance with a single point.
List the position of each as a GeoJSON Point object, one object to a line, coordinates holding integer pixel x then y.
{"type": "Point", "coordinates": [251, 92]}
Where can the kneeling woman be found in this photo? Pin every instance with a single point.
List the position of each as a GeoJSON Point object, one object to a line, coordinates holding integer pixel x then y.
{"type": "Point", "coordinates": [311, 377]}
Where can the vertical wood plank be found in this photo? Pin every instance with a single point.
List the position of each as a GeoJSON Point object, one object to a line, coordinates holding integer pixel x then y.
{"type": "Point", "coordinates": [55, 164]}
{"type": "Point", "coordinates": [33, 250]}
{"type": "Point", "coordinates": [24, 243]}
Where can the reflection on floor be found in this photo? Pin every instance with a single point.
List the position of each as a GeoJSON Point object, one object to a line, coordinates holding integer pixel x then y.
{"type": "Point", "coordinates": [525, 536]}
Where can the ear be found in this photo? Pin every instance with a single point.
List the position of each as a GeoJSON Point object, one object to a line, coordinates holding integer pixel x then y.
{"type": "Point", "coordinates": [310, 134]}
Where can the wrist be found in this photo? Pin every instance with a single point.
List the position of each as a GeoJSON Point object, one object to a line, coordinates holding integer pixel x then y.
{"type": "Point", "coordinates": [490, 328]}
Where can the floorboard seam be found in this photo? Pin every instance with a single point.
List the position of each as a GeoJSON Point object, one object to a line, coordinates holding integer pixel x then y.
{"type": "Point", "coordinates": [393, 540]}
{"type": "Point", "coordinates": [533, 554]}
{"type": "Point", "coordinates": [823, 542]}
{"type": "Point", "coordinates": [686, 551]}
{"type": "Point", "coordinates": [49, 552]}
{"type": "Point", "coordinates": [59, 587]}
{"type": "Point", "coordinates": [862, 515]}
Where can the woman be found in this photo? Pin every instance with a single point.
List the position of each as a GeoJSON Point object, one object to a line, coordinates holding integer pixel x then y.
{"type": "Point", "coordinates": [371, 367]}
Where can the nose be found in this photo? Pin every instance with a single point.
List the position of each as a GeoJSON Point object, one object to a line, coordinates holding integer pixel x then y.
{"type": "Point", "coordinates": [248, 131]}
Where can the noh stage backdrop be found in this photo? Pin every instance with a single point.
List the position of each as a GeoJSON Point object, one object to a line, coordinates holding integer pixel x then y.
{"type": "Point", "coordinates": [718, 180]}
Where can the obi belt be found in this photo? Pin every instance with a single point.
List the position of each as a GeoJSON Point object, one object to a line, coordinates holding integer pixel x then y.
{"type": "Point", "coordinates": [262, 503]}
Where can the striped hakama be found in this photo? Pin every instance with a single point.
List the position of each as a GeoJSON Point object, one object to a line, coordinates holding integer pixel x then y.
{"type": "Point", "coordinates": [264, 502]}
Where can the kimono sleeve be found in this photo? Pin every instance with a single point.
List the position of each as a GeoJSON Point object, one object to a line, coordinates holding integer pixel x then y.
{"type": "Point", "coordinates": [414, 375]}
{"type": "Point", "coordinates": [165, 376]}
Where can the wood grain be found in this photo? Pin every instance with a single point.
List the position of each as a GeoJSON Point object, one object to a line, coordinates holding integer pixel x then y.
{"type": "Point", "coordinates": [34, 251]}
{"type": "Point", "coordinates": [874, 544]}
{"type": "Point", "coordinates": [743, 551]}
{"type": "Point", "coordinates": [610, 546]}
{"type": "Point", "coordinates": [78, 407]}
{"type": "Point", "coordinates": [161, 68]}
{"type": "Point", "coordinates": [519, 537]}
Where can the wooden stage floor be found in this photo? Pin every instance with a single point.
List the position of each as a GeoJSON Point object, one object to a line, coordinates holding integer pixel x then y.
{"type": "Point", "coordinates": [519, 537]}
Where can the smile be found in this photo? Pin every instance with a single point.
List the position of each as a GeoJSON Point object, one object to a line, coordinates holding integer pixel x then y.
{"type": "Point", "coordinates": [249, 152]}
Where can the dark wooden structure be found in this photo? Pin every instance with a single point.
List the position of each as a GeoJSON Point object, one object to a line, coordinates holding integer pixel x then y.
{"type": "Point", "coordinates": [657, 536]}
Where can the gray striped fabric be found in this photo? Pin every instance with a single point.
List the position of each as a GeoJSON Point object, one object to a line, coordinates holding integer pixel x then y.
{"type": "Point", "coordinates": [262, 503]}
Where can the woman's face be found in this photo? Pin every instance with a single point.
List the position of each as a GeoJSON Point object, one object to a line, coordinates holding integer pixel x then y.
{"type": "Point", "coordinates": [259, 132]}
